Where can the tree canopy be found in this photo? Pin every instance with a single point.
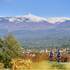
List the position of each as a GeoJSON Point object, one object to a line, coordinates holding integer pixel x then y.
{"type": "Point", "coordinates": [9, 48]}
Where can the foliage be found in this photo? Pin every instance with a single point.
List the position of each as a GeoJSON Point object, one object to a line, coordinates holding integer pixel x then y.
{"type": "Point", "coordinates": [9, 48]}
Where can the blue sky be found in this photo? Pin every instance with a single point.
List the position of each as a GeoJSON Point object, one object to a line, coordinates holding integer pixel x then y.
{"type": "Point", "coordinates": [46, 8]}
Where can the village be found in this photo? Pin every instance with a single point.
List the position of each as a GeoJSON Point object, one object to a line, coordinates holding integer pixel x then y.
{"type": "Point", "coordinates": [51, 54]}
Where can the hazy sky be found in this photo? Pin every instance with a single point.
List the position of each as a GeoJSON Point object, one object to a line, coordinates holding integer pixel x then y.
{"type": "Point", "coordinates": [46, 8]}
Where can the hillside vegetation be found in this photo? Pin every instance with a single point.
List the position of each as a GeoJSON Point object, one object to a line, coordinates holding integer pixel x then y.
{"type": "Point", "coordinates": [9, 48]}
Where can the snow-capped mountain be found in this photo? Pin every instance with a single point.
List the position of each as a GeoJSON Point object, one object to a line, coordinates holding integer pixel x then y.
{"type": "Point", "coordinates": [32, 18]}
{"type": "Point", "coordinates": [26, 18]}
{"type": "Point", "coordinates": [37, 31]}
{"type": "Point", "coordinates": [32, 22]}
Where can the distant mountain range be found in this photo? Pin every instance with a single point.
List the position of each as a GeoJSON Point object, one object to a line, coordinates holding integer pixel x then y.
{"type": "Point", "coordinates": [35, 31]}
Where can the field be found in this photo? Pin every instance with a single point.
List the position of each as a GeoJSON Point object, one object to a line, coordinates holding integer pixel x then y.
{"type": "Point", "coordinates": [45, 65]}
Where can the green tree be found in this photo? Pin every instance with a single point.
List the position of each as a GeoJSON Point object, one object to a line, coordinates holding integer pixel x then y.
{"type": "Point", "coordinates": [9, 48]}
{"type": "Point", "coordinates": [15, 49]}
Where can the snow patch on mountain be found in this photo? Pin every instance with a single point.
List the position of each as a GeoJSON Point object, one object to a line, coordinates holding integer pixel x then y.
{"type": "Point", "coordinates": [54, 20]}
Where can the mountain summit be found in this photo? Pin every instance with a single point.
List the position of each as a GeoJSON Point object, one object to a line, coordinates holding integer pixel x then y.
{"type": "Point", "coordinates": [27, 18]}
